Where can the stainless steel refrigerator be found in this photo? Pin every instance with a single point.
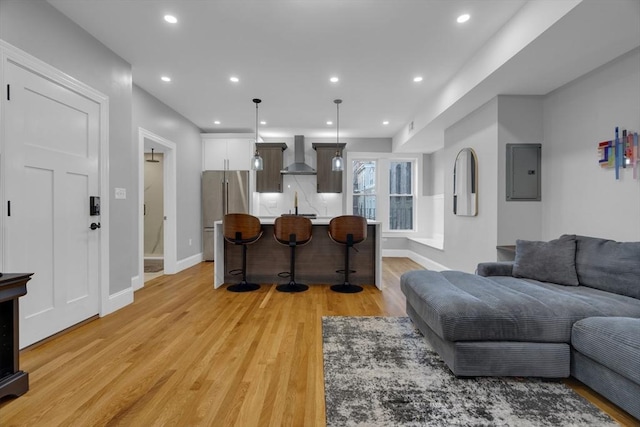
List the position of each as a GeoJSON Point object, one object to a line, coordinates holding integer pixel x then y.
{"type": "Point", "coordinates": [223, 192]}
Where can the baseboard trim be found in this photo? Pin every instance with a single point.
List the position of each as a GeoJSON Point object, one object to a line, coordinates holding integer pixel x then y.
{"type": "Point", "coordinates": [423, 261]}
{"type": "Point", "coordinates": [137, 282]}
{"type": "Point", "coordinates": [185, 263]}
{"type": "Point", "coordinates": [117, 301]}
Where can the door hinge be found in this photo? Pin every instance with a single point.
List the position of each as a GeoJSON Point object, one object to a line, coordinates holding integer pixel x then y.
{"type": "Point", "coordinates": [8, 92]}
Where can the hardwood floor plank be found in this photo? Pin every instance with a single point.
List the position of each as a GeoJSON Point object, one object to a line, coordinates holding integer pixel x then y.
{"type": "Point", "coordinates": [186, 354]}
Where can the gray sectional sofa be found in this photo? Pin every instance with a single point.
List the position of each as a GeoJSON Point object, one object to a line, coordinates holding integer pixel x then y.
{"type": "Point", "coordinates": [570, 306]}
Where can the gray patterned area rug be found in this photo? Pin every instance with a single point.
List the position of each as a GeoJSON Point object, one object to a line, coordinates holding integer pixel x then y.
{"type": "Point", "coordinates": [380, 371]}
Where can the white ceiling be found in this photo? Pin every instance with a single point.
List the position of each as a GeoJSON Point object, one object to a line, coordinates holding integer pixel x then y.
{"type": "Point", "coordinates": [285, 51]}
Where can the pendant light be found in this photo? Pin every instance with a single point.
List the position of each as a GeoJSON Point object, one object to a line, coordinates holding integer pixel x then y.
{"type": "Point", "coordinates": [337, 164]}
{"type": "Point", "coordinates": [256, 160]}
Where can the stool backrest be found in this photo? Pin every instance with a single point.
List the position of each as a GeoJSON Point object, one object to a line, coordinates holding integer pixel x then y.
{"type": "Point", "coordinates": [241, 228]}
{"type": "Point", "coordinates": [285, 226]}
{"type": "Point", "coordinates": [341, 226]}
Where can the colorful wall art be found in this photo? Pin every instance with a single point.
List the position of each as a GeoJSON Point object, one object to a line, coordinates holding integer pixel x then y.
{"type": "Point", "coordinates": [621, 153]}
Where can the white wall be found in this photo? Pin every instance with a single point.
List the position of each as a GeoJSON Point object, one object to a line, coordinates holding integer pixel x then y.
{"type": "Point", "coordinates": [578, 196]}
{"type": "Point", "coordinates": [432, 219]}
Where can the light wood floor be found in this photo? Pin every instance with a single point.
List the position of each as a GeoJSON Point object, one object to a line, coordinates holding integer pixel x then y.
{"type": "Point", "coordinates": [184, 354]}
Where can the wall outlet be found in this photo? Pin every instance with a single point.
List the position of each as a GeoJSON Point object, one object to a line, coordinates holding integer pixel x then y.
{"type": "Point", "coordinates": [190, 242]}
{"type": "Point", "coordinates": [120, 193]}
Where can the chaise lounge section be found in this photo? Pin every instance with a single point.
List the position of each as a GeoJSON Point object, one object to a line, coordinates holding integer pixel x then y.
{"type": "Point", "coordinates": [522, 318]}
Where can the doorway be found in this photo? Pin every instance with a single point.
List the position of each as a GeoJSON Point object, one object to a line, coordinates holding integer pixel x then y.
{"type": "Point", "coordinates": [153, 211]}
{"type": "Point", "coordinates": [157, 238]}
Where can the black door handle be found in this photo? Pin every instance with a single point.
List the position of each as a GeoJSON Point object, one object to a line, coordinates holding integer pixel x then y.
{"type": "Point", "coordinates": [94, 226]}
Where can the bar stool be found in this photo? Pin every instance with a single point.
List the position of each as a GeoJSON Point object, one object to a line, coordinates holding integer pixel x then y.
{"type": "Point", "coordinates": [242, 229]}
{"type": "Point", "coordinates": [347, 230]}
{"type": "Point", "coordinates": [292, 231]}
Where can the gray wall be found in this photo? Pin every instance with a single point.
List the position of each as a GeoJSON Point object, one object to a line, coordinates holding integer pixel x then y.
{"type": "Point", "coordinates": [433, 173]}
{"type": "Point", "coordinates": [579, 196]}
{"type": "Point", "coordinates": [519, 122]}
{"type": "Point", "coordinates": [154, 116]}
{"type": "Point", "coordinates": [40, 30]}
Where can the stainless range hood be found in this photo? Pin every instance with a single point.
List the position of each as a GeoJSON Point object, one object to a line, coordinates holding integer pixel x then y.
{"type": "Point", "coordinates": [299, 167]}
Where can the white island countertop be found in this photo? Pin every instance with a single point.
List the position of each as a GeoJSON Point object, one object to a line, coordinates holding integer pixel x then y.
{"type": "Point", "coordinates": [321, 220]}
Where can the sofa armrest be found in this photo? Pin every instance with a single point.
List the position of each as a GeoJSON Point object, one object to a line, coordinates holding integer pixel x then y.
{"type": "Point", "coordinates": [504, 268]}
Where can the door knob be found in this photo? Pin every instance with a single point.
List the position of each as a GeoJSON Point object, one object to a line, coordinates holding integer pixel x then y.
{"type": "Point", "coordinates": [94, 226]}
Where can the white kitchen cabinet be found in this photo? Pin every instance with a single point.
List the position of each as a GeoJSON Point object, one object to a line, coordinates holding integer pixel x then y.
{"type": "Point", "coordinates": [227, 151]}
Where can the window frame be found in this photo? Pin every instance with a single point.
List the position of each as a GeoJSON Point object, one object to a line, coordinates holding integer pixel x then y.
{"type": "Point", "coordinates": [383, 161]}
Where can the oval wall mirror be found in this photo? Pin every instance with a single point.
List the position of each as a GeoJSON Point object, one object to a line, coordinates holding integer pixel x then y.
{"type": "Point", "coordinates": [465, 183]}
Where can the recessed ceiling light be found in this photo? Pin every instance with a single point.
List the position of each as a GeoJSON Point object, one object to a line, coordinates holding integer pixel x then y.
{"type": "Point", "coordinates": [417, 79]}
{"type": "Point", "coordinates": [334, 80]}
{"type": "Point", "coordinates": [216, 122]}
{"type": "Point", "coordinates": [165, 79]}
{"type": "Point", "coordinates": [329, 122]}
{"type": "Point", "coordinates": [386, 122]}
{"type": "Point", "coordinates": [463, 18]}
{"type": "Point", "coordinates": [170, 19]}
{"type": "Point", "coordinates": [234, 79]}
{"type": "Point", "coordinates": [263, 122]}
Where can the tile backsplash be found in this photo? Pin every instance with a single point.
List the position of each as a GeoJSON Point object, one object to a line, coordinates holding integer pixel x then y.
{"type": "Point", "coordinates": [309, 200]}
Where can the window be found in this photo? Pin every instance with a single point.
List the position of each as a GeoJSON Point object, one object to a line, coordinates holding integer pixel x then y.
{"type": "Point", "coordinates": [384, 188]}
{"type": "Point", "coordinates": [364, 188]}
{"type": "Point", "coordinates": [400, 195]}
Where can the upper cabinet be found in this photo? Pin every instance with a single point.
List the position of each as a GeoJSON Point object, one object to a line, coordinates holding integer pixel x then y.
{"type": "Point", "coordinates": [328, 180]}
{"type": "Point", "coordinates": [227, 151]}
{"type": "Point", "coordinates": [269, 179]}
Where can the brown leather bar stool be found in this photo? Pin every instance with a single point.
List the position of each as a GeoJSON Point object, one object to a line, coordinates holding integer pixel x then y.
{"type": "Point", "coordinates": [292, 231]}
{"type": "Point", "coordinates": [242, 229]}
{"type": "Point", "coordinates": [347, 230]}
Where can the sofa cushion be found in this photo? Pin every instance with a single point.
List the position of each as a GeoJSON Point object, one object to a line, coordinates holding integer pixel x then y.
{"type": "Point", "coordinates": [464, 307]}
{"type": "Point", "coordinates": [609, 265]}
{"type": "Point", "coordinates": [611, 341]}
{"type": "Point", "coordinates": [553, 261]}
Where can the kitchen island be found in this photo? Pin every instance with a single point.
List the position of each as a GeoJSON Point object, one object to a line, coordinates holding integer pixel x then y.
{"type": "Point", "coordinates": [316, 262]}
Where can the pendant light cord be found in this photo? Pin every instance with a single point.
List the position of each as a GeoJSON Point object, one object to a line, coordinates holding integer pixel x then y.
{"type": "Point", "coordinates": [257, 101]}
{"type": "Point", "coordinates": [337, 102]}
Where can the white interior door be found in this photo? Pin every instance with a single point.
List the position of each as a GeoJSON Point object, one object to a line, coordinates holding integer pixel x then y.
{"type": "Point", "coordinates": [52, 167]}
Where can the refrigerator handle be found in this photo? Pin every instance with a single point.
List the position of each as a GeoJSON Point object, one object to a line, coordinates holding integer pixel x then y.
{"type": "Point", "coordinates": [224, 197]}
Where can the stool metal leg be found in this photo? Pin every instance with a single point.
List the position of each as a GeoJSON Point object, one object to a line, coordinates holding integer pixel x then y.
{"type": "Point", "coordinates": [346, 287]}
{"type": "Point", "coordinates": [292, 286]}
{"type": "Point", "coordinates": [244, 286]}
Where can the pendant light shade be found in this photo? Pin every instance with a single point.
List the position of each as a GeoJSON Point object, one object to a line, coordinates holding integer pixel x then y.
{"type": "Point", "coordinates": [256, 160]}
{"type": "Point", "coordinates": [337, 163]}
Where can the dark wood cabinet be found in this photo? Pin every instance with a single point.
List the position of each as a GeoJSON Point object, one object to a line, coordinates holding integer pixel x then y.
{"type": "Point", "coordinates": [13, 381]}
{"type": "Point", "coordinates": [269, 179]}
{"type": "Point", "coordinates": [328, 180]}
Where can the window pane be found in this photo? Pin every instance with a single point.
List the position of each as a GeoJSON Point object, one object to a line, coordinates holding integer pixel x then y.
{"type": "Point", "coordinates": [364, 177]}
{"type": "Point", "coordinates": [365, 206]}
{"type": "Point", "coordinates": [400, 178]}
{"type": "Point", "coordinates": [400, 213]}
{"type": "Point", "coordinates": [364, 188]}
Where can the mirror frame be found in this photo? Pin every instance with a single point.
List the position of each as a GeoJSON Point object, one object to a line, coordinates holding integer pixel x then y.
{"type": "Point", "coordinates": [472, 173]}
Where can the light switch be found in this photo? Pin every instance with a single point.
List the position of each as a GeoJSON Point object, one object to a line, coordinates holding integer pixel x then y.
{"type": "Point", "coordinates": [121, 193]}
